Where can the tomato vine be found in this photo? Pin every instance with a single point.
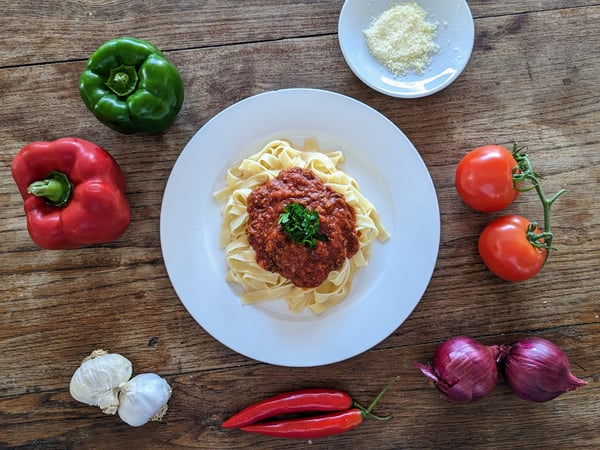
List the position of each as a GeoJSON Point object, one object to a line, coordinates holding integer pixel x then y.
{"type": "Point", "coordinates": [524, 173]}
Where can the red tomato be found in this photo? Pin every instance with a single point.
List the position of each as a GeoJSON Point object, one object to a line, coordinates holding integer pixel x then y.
{"type": "Point", "coordinates": [506, 250]}
{"type": "Point", "coordinates": [484, 178]}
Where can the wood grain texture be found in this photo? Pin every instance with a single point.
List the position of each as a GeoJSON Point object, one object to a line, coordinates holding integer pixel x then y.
{"type": "Point", "coordinates": [532, 78]}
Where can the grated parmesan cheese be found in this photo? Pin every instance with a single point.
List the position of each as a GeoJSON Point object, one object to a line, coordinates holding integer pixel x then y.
{"type": "Point", "coordinates": [401, 38]}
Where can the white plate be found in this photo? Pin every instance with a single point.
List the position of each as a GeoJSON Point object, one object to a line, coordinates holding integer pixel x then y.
{"type": "Point", "coordinates": [390, 173]}
{"type": "Point", "coordinates": [455, 36]}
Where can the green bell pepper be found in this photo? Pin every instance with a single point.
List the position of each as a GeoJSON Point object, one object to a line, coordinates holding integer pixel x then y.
{"type": "Point", "coordinates": [130, 86]}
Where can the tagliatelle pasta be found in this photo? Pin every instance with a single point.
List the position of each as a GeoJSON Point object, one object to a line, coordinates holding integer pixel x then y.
{"type": "Point", "coordinates": [261, 285]}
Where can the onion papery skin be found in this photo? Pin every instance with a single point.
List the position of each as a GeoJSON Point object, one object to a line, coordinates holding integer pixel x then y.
{"type": "Point", "coordinates": [537, 370]}
{"type": "Point", "coordinates": [463, 369]}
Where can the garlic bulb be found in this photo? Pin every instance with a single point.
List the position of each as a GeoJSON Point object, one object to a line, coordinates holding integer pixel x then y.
{"type": "Point", "coordinates": [96, 382]}
{"type": "Point", "coordinates": [143, 398]}
{"type": "Point", "coordinates": [103, 380]}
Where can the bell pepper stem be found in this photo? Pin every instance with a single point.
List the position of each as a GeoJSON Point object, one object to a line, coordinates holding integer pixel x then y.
{"type": "Point", "coordinates": [56, 188]}
{"type": "Point", "coordinates": [122, 80]}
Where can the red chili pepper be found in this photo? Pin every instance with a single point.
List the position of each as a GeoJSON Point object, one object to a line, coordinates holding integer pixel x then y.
{"type": "Point", "coordinates": [74, 193]}
{"type": "Point", "coordinates": [307, 427]}
{"type": "Point", "coordinates": [310, 427]}
{"type": "Point", "coordinates": [291, 402]}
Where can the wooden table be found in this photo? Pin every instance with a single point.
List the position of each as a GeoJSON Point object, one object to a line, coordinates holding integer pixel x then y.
{"type": "Point", "coordinates": [532, 78]}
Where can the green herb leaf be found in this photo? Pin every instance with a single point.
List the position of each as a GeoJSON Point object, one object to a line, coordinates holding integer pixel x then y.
{"type": "Point", "coordinates": [301, 225]}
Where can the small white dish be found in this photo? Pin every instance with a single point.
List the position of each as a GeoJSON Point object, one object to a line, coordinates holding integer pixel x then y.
{"type": "Point", "coordinates": [455, 37]}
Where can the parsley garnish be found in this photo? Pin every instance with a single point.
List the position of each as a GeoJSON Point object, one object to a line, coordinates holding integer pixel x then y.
{"type": "Point", "coordinates": [301, 225]}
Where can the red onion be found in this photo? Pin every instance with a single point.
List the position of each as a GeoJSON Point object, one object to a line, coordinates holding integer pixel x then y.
{"type": "Point", "coordinates": [463, 369]}
{"type": "Point", "coordinates": [537, 370]}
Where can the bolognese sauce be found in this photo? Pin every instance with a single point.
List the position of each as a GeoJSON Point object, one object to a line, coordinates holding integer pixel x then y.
{"type": "Point", "coordinates": [276, 252]}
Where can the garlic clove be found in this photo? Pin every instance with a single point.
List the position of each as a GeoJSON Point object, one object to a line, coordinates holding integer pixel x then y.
{"type": "Point", "coordinates": [97, 380]}
{"type": "Point", "coordinates": [143, 398]}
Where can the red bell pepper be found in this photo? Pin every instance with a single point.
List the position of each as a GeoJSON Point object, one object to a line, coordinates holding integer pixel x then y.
{"type": "Point", "coordinates": [74, 193]}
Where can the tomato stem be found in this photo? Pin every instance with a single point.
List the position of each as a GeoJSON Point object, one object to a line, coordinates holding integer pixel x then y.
{"type": "Point", "coordinates": [524, 172]}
